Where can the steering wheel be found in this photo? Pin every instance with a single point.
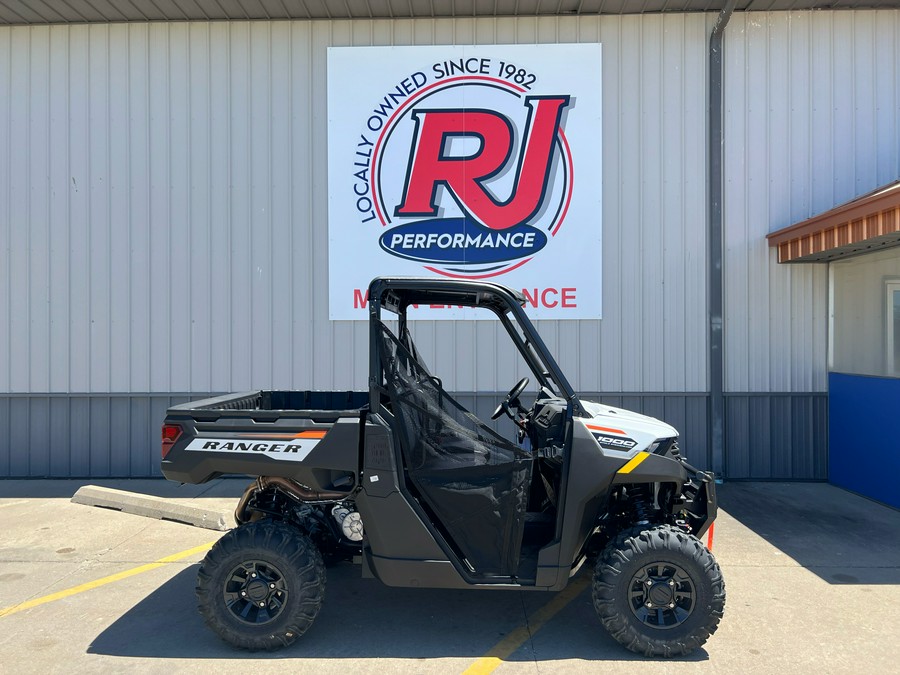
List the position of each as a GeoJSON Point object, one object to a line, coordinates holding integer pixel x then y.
{"type": "Point", "coordinates": [512, 398]}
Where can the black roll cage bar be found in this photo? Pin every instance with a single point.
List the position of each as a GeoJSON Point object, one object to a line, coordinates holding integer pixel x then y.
{"type": "Point", "coordinates": [396, 294]}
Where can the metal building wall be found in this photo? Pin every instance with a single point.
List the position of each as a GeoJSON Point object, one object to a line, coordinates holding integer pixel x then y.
{"type": "Point", "coordinates": [812, 120]}
{"type": "Point", "coordinates": [163, 228]}
{"type": "Point", "coordinates": [163, 211]}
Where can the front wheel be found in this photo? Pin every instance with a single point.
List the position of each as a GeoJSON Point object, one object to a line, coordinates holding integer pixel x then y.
{"type": "Point", "coordinates": [658, 592]}
{"type": "Point", "coordinates": [261, 585]}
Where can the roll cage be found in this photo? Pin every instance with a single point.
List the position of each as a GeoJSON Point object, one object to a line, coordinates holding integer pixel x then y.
{"type": "Point", "coordinates": [397, 294]}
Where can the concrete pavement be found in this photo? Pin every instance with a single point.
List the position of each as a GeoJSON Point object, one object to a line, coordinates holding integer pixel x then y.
{"type": "Point", "coordinates": [812, 576]}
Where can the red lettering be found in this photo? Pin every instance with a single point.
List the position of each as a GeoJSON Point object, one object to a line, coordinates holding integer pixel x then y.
{"type": "Point", "coordinates": [429, 167]}
{"type": "Point", "coordinates": [359, 300]}
{"type": "Point", "coordinates": [544, 297]}
{"type": "Point", "coordinates": [544, 300]}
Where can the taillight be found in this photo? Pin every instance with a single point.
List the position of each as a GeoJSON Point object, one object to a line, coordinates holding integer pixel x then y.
{"type": "Point", "coordinates": [170, 434]}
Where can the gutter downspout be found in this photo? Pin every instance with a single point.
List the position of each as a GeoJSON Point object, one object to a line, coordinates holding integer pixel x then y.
{"type": "Point", "coordinates": [716, 142]}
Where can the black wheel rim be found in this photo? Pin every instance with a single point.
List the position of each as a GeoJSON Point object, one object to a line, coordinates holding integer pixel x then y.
{"type": "Point", "coordinates": [662, 595]}
{"type": "Point", "coordinates": [255, 592]}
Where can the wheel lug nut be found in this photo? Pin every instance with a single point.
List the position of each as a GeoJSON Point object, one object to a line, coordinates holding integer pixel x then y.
{"type": "Point", "coordinates": [253, 574]}
{"type": "Point", "coordinates": [648, 582]}
{"type": "Point", "coordinates": [671, 605]}
{"type": "Point", "coordinates": [671, 582]}
{"type": "Point", "coordinates": [262, 604]}
{"type": "Point", "coordinates": [271, 585]}
{"type": "Point", "coordinates": [244, 593]}
{"type": "Point", "coordinates": [649, 604]}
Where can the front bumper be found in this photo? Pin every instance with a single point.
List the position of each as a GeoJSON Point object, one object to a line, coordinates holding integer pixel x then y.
{"type": "Point", "coordinates": [700, 506]}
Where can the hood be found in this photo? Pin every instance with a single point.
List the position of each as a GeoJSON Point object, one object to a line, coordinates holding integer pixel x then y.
{"type": "Point", "coordinates": [643, 429]}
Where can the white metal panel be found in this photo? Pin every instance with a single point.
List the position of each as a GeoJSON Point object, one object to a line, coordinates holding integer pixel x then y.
{"type": "Point", "coordinates": [137, 365]}
{"type": "Point", "coordinates": [35, 199]}
{"type": "Point", "coordinates": [812, 109]}
{"type": "Point", "coordinates": [57, 177]}
{"type": "Point", "coordinates": [6, 343]}
{"type": "Point", "coordinates": [119, 215]}
{"type": "Point", "coordinates": [16, 152]}
{"type": "Point", "coordinates": [219, 204]}
{"type": "Point", "coordinates": [163, 197]}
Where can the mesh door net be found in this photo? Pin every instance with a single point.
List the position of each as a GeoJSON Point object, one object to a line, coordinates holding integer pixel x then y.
{"type": "Point", "coordinates": [474, 481]}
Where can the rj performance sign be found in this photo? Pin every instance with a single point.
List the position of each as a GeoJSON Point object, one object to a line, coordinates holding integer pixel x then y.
{"type": "Point", "coordinates": [467, 162]}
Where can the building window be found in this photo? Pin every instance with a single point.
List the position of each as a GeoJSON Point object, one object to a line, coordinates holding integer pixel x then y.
{"type": "Point", "coordinates": [893, 327]}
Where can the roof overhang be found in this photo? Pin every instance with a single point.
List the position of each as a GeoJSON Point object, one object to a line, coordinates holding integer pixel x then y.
{"type": "Point", "coordinates": [864, 225]}
{"type": "Point", "coordinates": [112, 11]}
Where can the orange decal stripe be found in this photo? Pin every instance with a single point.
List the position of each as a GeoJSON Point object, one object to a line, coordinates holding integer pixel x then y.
{"type": "Point", "coordinates": [312, 434]}
{"type": "Point", "coordinates": [608, 430]}
{"type": "Point", "coordinates": [315, 433]}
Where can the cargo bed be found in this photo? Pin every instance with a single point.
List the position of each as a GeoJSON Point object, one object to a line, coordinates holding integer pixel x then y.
{"type": "Point", "coordinates": [267, 433]}
{"type": "Point", "coordinates": [350, 401]}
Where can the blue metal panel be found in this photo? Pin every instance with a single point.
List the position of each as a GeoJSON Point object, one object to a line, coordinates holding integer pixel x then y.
{"type": "Point", "coordinates": [864, 453]}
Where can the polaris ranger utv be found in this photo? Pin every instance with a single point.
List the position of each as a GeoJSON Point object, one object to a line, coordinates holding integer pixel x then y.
{"type": "Point", "coordinates": [421, 492]}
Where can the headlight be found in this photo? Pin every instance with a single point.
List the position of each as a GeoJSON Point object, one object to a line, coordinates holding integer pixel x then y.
{"type": "Point", "coordinates": [664, 446]}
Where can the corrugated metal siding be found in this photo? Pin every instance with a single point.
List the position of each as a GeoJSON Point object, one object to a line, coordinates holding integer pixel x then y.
{"type": "Point", "coordinates": [782, 436]}
{"type": "Point", "coordinates": [777, 436]}
{"type": "Point", "coordinates": [163, 222]}
{"type": "Point", "coordinates": [164, 195]}
{"type": "Point", "coordinates": [79, 436]}
{"type": "Point", "coordinates": [114, 436]}
{"type": "Point", "coordinates": [812, 121]}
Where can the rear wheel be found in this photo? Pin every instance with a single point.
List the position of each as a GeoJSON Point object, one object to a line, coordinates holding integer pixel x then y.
{"type": "Point", "coordinates": [658, 592]}
{"type": "Point", "coordinates": [261, 585]}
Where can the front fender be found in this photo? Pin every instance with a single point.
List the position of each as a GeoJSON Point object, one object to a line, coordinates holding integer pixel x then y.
{"type": "Point", "coordinates": [695, 490]}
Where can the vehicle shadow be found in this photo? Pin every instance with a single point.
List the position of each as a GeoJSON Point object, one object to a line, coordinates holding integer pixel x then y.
{"type": "Point", "coordinates": [362, 618]}
{"type": "Point", "coordinates": [839, 536]}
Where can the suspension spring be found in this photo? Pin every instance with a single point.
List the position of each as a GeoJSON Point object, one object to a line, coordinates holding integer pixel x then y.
{"type": "Point", "coordinates": [639, 498]}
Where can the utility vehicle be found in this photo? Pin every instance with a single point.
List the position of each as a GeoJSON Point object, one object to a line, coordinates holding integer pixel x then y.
{"type": "Point", "coordinates": [405, 481]}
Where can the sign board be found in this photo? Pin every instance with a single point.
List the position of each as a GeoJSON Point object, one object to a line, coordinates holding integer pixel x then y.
{"type": "Point", "coordinates": [472, 162]}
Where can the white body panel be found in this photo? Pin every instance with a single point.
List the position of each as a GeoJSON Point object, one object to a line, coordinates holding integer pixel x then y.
{"type": "Point", "coordinates": [615, 429]}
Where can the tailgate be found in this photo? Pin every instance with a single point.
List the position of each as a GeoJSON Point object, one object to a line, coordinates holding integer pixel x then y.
{"type": "Point", "coordinates": [229, 435]}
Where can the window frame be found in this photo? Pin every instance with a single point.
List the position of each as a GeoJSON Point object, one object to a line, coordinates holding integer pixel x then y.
{"type": "Point", "coordinates": [892, 286]}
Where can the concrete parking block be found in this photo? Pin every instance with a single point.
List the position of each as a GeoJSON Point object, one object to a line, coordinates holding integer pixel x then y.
{"type": "Point", "coordinates": [151, 507]}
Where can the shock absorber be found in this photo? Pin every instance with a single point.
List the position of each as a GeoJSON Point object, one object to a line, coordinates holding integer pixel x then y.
{"type": "Point", "coordinates": [639, 499]}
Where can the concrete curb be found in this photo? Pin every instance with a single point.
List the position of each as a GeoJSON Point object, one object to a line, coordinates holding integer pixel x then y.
{"type": "Point", "coordinates": [151, 507]}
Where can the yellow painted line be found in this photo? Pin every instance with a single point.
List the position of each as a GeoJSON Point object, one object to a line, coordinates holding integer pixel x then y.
{"type": "Point", "coordinates": [516, 638]}
{"type": "Point", "coordinates": [635, 461]}
{"type": "Point", "coordinates": [43, 600]}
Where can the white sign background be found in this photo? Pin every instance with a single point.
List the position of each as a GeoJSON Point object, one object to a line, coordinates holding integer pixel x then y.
{"type": "Point", "coordinates": [378, 98]}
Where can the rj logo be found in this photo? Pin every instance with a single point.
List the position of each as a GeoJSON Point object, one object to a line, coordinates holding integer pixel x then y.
{"type": "Point", "coordinates": [466, 177]}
